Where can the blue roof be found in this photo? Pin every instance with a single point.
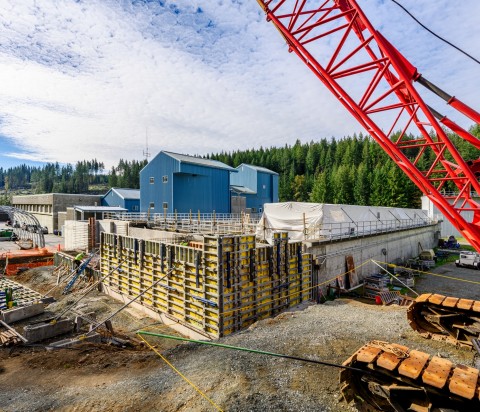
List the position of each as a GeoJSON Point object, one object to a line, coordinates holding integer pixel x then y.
{"type": "Point", "coordinates": [131, 194]}
{"type": "Point", "coordinates": [258, 169]}
{"type": "Point", "coordinates": [199, 161]}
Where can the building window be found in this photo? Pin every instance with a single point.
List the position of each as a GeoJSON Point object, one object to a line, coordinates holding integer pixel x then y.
{"type": "Point", "coordinates": [165, 205]}
{"type": "Point", "coordinates": [152, 180]}
{"type": "Point", "coordinates": [152, 205]}
{"type": "Point", "coordinates": [135, 208]}
{"type": "Point", "coordinates": [260, 210]}
{"type": "Point", "coordinates": [165, 179]}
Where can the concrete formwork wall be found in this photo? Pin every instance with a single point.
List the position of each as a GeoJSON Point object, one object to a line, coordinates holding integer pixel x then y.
{"type": "Point", "coordinates": [215, 287]}
{"type": "Point", "coordinates": [76, 235]}
{"type": "Point", "coordinates": [107, 226]}
{"type": "Point", "coordinates": [152, 234]}
{"type": "Point", "coordinates": [395, 247]}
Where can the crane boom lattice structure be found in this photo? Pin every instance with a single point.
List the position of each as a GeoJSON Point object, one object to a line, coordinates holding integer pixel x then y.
{"type": "Point", "coordinates": [375, 83]}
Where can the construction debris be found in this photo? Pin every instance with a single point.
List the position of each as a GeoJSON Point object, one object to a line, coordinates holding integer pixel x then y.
{"type": "Point", "coordinates": [24, 312]}
{"type": "Point", "coordinates": [11, 333]}
{"type": "Point", "coordinates": [9, 338]}
{"type": "Point", "coordinates": [21, 295]}
{"type": "Point", "coordinates": [39, 332]}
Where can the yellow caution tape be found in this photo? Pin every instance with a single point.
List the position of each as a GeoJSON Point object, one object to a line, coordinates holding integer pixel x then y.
{"type": "Point", "coordinates": [430, 273]}
{"type": "Point", "coordinates": [302, 290]}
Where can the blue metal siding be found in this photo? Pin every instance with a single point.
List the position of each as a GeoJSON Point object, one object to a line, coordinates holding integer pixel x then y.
{"type": "Point", "coordinates": [112, 199]}
{"type": "Point", "coordinates": [265, 185]}
{"type": "Point", "coordinates": [189, 187]}
{"type": "Point", "coordinates": [157, 192]}
{"type": "Point", "coordinates": [246, 177]}
{"type": "Point", "coordinates": [132, 205]}
{"type": "Point", "coordinates": [275, 198]}
{"type": "Point", "coordinates": [201, 189]}
{"type": "Point", "coordinates": [262, 187]}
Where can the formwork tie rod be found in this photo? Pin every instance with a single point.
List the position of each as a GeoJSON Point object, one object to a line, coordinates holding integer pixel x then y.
{"type": "Point", "coordinates": [259, 352]}
{"type": "Point", "coordinates": [130, 301]}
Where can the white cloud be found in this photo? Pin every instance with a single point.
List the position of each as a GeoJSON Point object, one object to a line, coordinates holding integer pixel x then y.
{"type": "Point", "coordinates": [87, 79]}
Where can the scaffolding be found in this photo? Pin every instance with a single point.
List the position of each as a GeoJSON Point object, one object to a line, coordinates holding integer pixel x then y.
{"type": "Point", "coordinates": [201, 223]}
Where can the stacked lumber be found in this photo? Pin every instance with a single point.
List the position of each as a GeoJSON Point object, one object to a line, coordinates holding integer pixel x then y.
{"type": "Point", "coordinates": [9, 338]}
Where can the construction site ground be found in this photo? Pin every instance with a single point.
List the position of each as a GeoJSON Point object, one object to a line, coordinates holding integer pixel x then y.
{"type": "Point", "coordinates": [104, 377]}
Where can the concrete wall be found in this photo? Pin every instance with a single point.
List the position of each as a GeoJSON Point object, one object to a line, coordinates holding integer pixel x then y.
{"type": "Point", "coordinates": [447, 228]}
{"type": "Point", "coordinates": [151, 234]}
{"type": "Point", "coordinates": [45, 220]}
{"type": "Point", "coordinates": [75, 235]}
{"type": "Point", "coordinates": [61, 218]}
{"type": "Point", "coordinates": [394, 247]}
{"type": "Point", "coordinates": [43, 199]}
{"type": "Point", "coordinates": [45, 207]}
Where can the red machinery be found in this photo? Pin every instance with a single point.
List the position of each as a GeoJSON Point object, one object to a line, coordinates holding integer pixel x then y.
{"type": "Point", "coordinates": [337, 42]}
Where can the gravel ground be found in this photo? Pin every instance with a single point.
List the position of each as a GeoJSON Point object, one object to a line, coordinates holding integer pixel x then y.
{"type": "Point", "coordinates": [109, 379]}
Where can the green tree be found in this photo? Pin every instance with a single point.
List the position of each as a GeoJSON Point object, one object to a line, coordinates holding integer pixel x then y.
{"type": "Point", "coordinates": [321, 189]}
{"type": "Point", "coordinates": [362, 186]}
{"type": "Point", "coordinates": [299, 188]}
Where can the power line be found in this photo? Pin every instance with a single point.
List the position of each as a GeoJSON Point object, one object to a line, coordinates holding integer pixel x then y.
{"type": "Point", "coordinates": [436, 35]}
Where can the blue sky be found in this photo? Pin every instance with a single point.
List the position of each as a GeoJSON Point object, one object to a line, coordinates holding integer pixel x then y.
{"type": "Point", "coordinates": [83, 79]}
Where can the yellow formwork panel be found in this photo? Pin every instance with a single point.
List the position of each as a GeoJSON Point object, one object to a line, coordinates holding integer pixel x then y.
{"type": "Point", "coordinates": [223, 287]}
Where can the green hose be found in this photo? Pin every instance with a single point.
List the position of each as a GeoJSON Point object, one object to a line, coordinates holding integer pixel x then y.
{"type": "Point", "coordinates": [260, 352]}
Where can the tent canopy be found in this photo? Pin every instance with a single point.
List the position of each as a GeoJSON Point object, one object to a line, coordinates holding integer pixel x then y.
{"type": "Point", "coordinates": [305, 221]}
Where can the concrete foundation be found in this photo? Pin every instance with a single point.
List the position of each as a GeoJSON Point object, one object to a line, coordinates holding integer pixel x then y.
{"type": "Point", "coordinates": [37, 333]}
{"type": "Point", "coordinates": [16, 314]}
{"type": "Point", "coordinates": [394, 247]}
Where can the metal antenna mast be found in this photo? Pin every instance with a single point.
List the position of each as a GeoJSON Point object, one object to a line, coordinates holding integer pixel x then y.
{"type": "Point", "coordinates": [146, 153]}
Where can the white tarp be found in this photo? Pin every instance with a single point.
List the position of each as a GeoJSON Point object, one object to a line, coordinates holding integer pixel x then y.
{"type": "Point", "coordinates": [318, 220]}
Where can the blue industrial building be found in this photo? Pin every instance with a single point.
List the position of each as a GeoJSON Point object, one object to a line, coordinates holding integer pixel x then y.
{"type": "Point", "coordinates": [256, 184]}
{"type": "Point", "coordinates": [175, 182]}
{"type": "Point", "coordinates": [128, 199]}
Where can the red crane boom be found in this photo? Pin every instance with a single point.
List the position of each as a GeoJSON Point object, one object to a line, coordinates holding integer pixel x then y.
{"type": "Point", "coordinates": [337, 42]}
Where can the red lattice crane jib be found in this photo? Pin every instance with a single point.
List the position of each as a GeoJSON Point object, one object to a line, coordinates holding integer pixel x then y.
{"type": "Point", "coordinates": [375, 83]}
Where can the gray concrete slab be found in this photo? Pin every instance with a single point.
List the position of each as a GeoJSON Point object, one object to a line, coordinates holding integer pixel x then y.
{"type": "Point", "coordinates": [24, 312]}
{"type": "Point", "coordinates": [37, 333]}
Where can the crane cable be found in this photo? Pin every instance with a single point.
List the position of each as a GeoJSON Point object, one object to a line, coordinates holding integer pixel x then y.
{"type": "Point", "coordinates": [436, 35]}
